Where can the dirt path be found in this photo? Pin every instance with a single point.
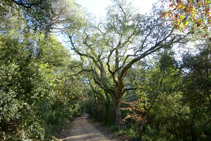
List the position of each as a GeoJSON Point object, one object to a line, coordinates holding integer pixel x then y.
{"type": "Point", "coordinates": [83, 129]}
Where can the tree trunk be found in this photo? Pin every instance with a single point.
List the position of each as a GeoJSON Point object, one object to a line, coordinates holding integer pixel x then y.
{"type": "Point", "coordinates": [117, 112]}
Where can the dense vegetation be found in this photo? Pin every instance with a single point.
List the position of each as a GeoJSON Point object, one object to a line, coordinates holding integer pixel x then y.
{"type": "Point", "coordinates": [127, 71]}
{"type": "Point", "coordinates": [38, 88]}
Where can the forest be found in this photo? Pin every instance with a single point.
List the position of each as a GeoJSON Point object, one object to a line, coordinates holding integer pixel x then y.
{"type": "Point", "coordinates": [145, 76]}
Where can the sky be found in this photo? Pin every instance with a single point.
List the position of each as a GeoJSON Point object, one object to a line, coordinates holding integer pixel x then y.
{"type": "Point", "coordinates": [97, 7]}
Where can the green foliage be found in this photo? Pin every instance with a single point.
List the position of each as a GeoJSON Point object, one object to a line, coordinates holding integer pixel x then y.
{"type": "Point", "coordinates": [174, 102]}
{"type": "Point", "coordinates": [41, 86]}
{"type": "Point", "coordinates": [34, 100]}
{"type": "Point", "coordinates": [40, 15]}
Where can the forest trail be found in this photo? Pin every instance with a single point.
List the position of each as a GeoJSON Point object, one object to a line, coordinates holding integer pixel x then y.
{"type": "Point", "coordinates": [83, 129]}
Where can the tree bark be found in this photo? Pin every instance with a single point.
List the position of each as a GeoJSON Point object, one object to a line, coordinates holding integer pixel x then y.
{"type": "Point", "coordinates": [118, 115]}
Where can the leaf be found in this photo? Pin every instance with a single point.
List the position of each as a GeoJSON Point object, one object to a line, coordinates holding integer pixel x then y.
{"type": "Point", "coordinates": [199, 21]}
{"type": "Point", "coordinates": [186, 23]}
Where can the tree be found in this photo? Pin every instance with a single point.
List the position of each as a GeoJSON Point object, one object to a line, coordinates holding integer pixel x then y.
{"type": "Point", "coordinates": [41, 15]}
{"type": "Point", "coordinates": [196, 89]}
{"type": "Point", "coordinates": [112, 46]}
{"type": "Point", "coordinates": [38, 94]}
{"type": "Point", "coordinates": [35, 97]}
{"type": "Point", "coordinates": [24, 84]}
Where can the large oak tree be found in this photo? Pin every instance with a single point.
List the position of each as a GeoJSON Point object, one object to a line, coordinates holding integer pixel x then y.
{"type": "Point", "coordinates": [111, 47]}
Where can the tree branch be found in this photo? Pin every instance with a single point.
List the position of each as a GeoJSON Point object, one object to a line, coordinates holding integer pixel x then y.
{"type": "Point", "coordinates": [26, 5]}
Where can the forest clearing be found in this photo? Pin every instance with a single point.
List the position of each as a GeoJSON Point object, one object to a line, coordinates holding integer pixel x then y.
{"type": "Point", "coordinates": [145, 77]}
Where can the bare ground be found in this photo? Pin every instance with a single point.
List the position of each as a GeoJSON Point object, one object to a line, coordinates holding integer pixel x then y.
{"type": "Point", "coordinates": [83, 129]}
